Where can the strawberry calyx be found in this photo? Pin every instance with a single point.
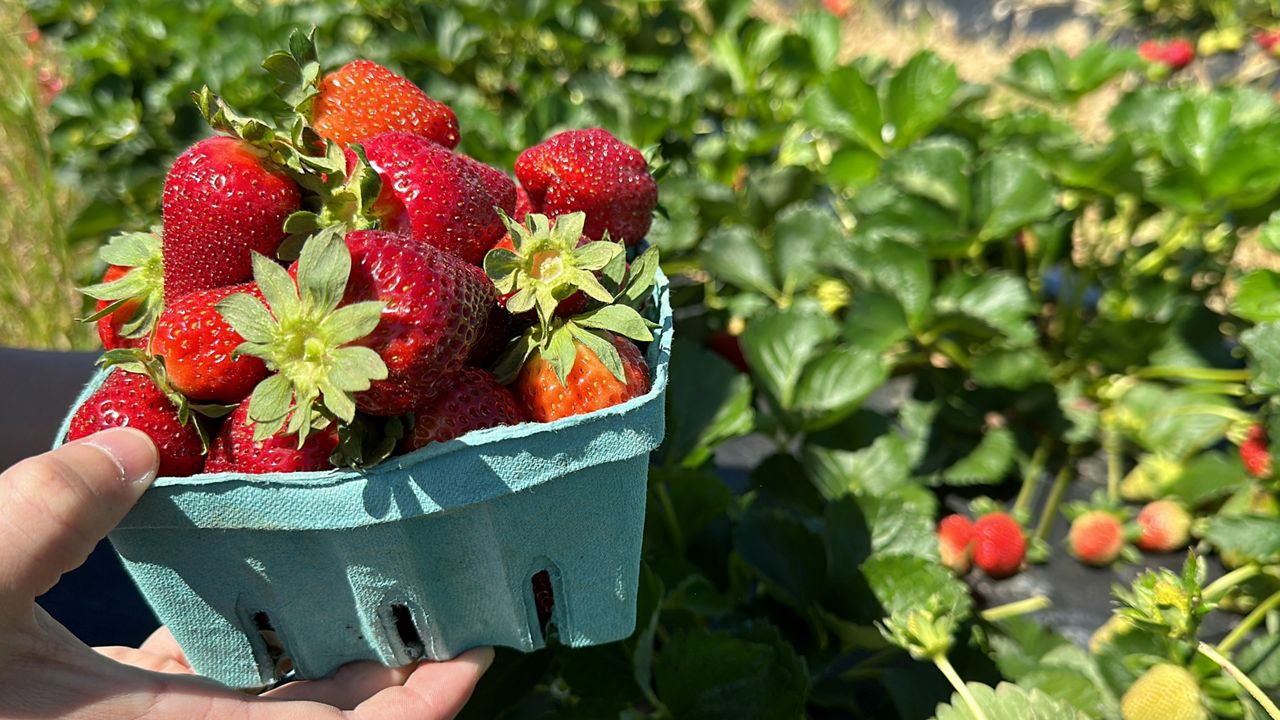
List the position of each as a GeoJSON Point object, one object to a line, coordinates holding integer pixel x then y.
{"type": "Point", "coordinates": [308, 340]}
{"type": "Point", "coordinates": [297, 71]}
{"type": "Point", "coordinates": [143, 283]}
{"type": "Point", "coordinates": [545, 266]}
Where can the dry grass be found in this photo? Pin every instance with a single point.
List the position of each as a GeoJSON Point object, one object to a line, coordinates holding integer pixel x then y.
{"type": "Point", "coordinates": [38, 272]}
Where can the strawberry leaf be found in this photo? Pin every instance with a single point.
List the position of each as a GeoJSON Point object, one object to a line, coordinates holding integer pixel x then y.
{"type": "Point", "coordinates": [619, 319]}
{"type": "Point", "coordinates": [602, 348]}
{"type": "Point", "coordinates": [560, 353]}
{"type": "Point", "coordinates": [323, 268]}
{"type": "Point", "coordinates": [247, 315]}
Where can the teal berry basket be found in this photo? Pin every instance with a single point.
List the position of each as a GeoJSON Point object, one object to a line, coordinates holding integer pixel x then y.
{"type": "Point", "coordinates": [426, 555]}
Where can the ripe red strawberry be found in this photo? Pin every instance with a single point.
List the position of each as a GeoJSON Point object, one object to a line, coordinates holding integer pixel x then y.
{"type": "Point", "coordinates": [1254, 453]}
{"type": "Point", "coordinates": [128, 399]}
{"type": "Point", "coordinates": [131, 292]}
{"type": "Point", "coordinates": [436, 308]}
{"type": "Point", "coordinates": [197, 346]}
{"type": "Point", "coordinates": [1174, 54]}
{"type": "Point", "coordinates": [1096, 538]}
{"type": "Point", "coordinates": [1268, 40]}
{"type": "Point", "coordinates": [728, 346]}
{"type": "Point", "coordinates": [234, 449]}
{"type": "Point", "coordinates": [999, 546]}
{"type": "Point", "coordinates": [362, 98]}
{"type": "Point", "coordinates": [1166, 526]}
{"type": "Point", "coordinates": [109, 325]}
{"type": "Point", "coordinates": [472, 399]}
{"type": "Point", "coordinates": [222, 203]}
{"type": "Point", "coordinates": [590, 385]}
{"type": "Point", "coordinates": [499, 329]}
{"type": "Point", "coordinates": [955, 543]}
{"type": "Point", "coordinates": [449, 199]}
{"type": "Point", "coordinates": [523, 206]}
{"type": "Point", "coordinates": [593, 172]}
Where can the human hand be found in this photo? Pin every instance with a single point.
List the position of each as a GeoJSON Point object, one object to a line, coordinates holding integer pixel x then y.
{"type": "Point", "coordinates": [54, 508]}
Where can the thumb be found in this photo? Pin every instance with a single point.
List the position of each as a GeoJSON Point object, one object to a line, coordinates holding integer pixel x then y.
{"type": "Point", "coordinates": [55, 507]}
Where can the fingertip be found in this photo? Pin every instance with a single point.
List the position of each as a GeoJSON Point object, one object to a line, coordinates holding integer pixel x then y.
{"type": "Point", "coordinates": [481, 656]}
{"type": "Point", "coordinates": [132, 451]}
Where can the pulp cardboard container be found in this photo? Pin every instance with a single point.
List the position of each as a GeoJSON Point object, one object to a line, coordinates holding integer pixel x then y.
{"type": "Point", "coordinates": [425, 555]}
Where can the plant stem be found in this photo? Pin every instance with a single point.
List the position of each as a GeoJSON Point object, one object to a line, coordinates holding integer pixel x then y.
{"type": "Point", "coordinates": [1016, 608]}
{"type": "Point", "coordinates": [954, 677]}
{"type": "Point", "coordinates": [1111, 445]}
{"type": "Point", "coordinates": [1022, 506]}
{"type": "Point", "coordinates": [1250, 686]}
{"type": "Point", "coordinates": [1193, 373]}
{"type": "Point", "coordinates": [1249, 622]}
{"type": "Point", "coordinates": [1219, 587]}
{"type": "Point", "coordinates": [1055, 498]}
{"type": "Point", "coordinates": [669, 514]}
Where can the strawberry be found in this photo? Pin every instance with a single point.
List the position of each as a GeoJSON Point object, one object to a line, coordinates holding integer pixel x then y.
{"type": "Point", "coordinates": [1255, 454]}
{"type": "Point", "coordinates": [472, 400]}
{"type": "Point", "coordinates": [590, 385]}
{"type": "Point", "coordinates": [1096, 538]}
{"type": "Point", "coordinates": [127, 399]}
{"type": "Point", "coordinates": [449, 199]}
{"type": "Point", "coordinates": [955, 543]}
{"type": "Point", "coordinates": [999, 546]}
{"type": "Point", "coordinates": [1166, 526]}
{"type": "Point", "coordinates": [728, 346]}
{"type": "Point", "coordinates": [197, 346]}
{"type": "Point", "coordinates": [110, 324]}
{"type": "Point", "coordinates": [376, 322]}
{"type": "Point", "coordinates": [523, 206]}
{"type": "Point", "coordinates": [593, 172]}
{"type": "Point", "coordinates": [223, 201]}
{"type": "Point", "coordinates": [1174, 54]}
{"type": "Point", "coordinates": [131, 292]}
{"type": "Point", "coordinates": [1165, 692]}
{"type": "Point", "coordinates": [362, 98]}
{"type": "Point", "coordinates": [234, 449]}
{"type": "Point", "coordinates": [500, 328]}
{"type": "Point", "coordinates": [1268, 40]}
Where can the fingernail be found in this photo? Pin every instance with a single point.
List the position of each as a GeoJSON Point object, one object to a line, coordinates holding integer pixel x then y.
{"type": "Point", "coordinates": [485, 658]}
{"type": "Point", "coordinates": [132, 450]}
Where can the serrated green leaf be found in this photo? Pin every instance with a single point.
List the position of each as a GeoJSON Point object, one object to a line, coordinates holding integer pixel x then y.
{"type": "Point", "coordinates": [276, 286]}
{"type": "Point", "coordinates": [248, 317]}
{"type": "Point", "coordinates": [934, 168]}
{"type": "Point", "coordinates": [803, 236]}
{"type": "Point", "coordinates": [708, 402]}
{"type": "Point", "coordinates": [1258, 297]}
{"type": "Point", "coordinates": [619, 319]}
{"type": "Point", "coordinates": [352, 322]}
{"type": "Point", "coordinates": [778, 346]}
{"type": "Point", "coordinates": [1011, 191]}
{"type": "Point", "coordinates": [271, 400]}
{"type": "Point", "coordinates": [1263, 344]}
{"type": "Point", "coordinates": [720, 675]}
{"type": "Point", "coordinates": [902, 583]}
{"type": "Point", "coordinates": [1250, 536]}
{"type": "Point", "coordinates": [989, 463]}
{"type": "Point", "coordinates": [834, 383]}
{"type": "Point", "coordinates": [602, 348]}
{"type": "Point", "coordinates": [847, 105]}
{"type": "Point", "coordinates": [734, 254]}
{"type": "Point", "coordinates": [1007, 702]}
{"type": "Point", "coordinates": [919, 97]}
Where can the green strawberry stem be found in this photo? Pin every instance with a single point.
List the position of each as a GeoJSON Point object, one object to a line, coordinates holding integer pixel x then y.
{"type": "Point", "coordinates": [1050, 510]}
{"type": "Point", "coordinates": [1218, 588]}
{"type": "Point", "coordinates": [1194, 373]}
{"type": "Point", "coordinates": [1017, 608]}
{"type": "Point", "coordinates": [1031, 478]}
{"type": "Point", "coordinates": [1238, 675]}
{"type": "Point", "coordinates": [1250, 621]}
{"type": "Point", "coordinates": [953, 677]}
{"type": "Point", "coordinates": [1111, 446]}
{"type": "Point", "coordinates": [306, 339]}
